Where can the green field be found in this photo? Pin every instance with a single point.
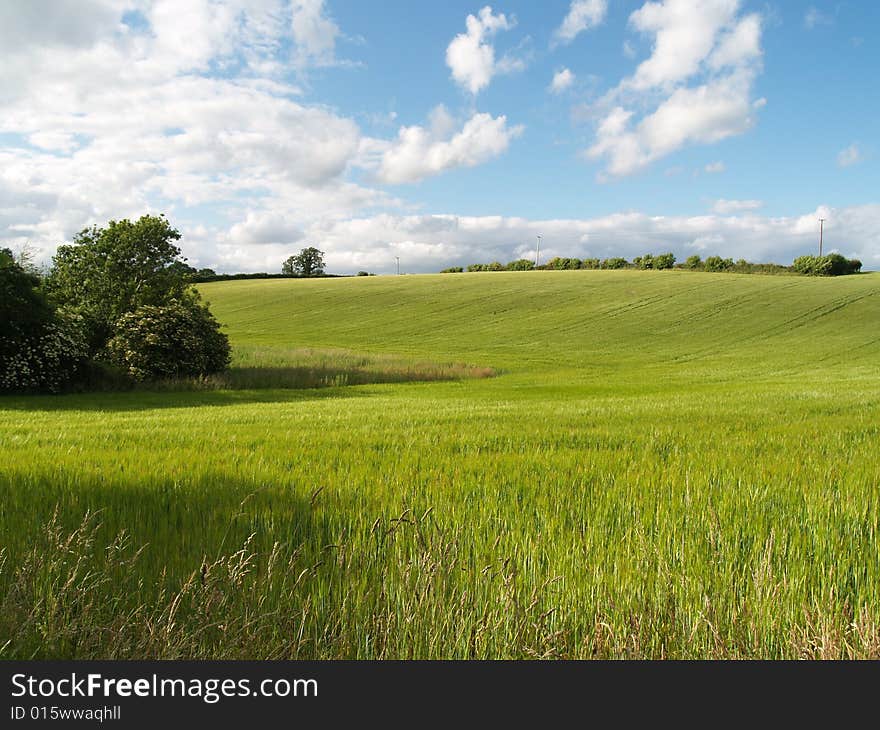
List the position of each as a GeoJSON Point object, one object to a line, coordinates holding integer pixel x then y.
{"type": "Point", "coordinates": [665, 464]}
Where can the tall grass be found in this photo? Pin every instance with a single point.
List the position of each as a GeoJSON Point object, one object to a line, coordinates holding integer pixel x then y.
{"type": "Point", "coordinates": [307, 367]}
{"type": "Point", "coordinates": [702, 493]}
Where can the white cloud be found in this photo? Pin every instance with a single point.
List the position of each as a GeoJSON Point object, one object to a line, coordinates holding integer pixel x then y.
{"type": "Point", "coordinates": [264, 228]}
{"type": "Point", "coordinates": [432, 242]}
{"type": "Point", "coordinates": [684, 34]}
{"type": "Point", "coordinates": [695, 88]}
{"type": "Point", "coordinates": [420, 152]}
{"type": "Point", "coordinates": [704, 114]}
{"type": "Point", "coordinates": [849, 156]}
{"type": "Point", "coordinates": [726, 207]}
{"type": "Point", "coordinates": [314, 32]}
{"type": "Point", "coordinates": [471, 55]}
{"type": "Point", "coordinates": [714, 168]}
{"type": "Point", "coordinates": [582, 15]}
{"type": "Point", "coordinates": [68, 23]}
{"type": "Point", "coordinates": [561, 81]}
{"type": "Point", "coordinates": [113, 120]}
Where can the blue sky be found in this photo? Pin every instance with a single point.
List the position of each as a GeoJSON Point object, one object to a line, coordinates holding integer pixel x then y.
{"type": "Point", "coordinates": [444, 133]}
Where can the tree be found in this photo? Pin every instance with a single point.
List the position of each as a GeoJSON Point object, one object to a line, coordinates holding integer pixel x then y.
{"type": "Point", "coordinates": [110, 271]}
{"type": "Point", "coordinates": [615, 262]}
{"type": "Point", "coordinates": [308, 262]}
{"type": "Point", "coordinates": [664, 260]}
{"type": "Point", "coordinates": [129, 287]}
{"type": "Point", "coordinates": [716, 263]}
{"type": "Point", "coordinates": [832, 264]}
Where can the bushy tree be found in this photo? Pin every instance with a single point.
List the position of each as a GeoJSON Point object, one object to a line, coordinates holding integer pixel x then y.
{"type": "Point", "coordinates": [453, 270]}
{"type": "Point", "coordinates": [308, 262]}
{"type": "Point", "coordinates": [39, 349]}
{"type": "Point", "coordinates": [693, 262]}
{"type": "Point", "coordinates": [664, 260]}
{"type": "Point", "coordinates": [831, 265]}
{"type": "Point", "coordinates": [614, 263]}
{"type": "Point", "coordinates": [590, 263]}
{"type": "Point", "coordinates": [644, 262]}
{"type": "Point", "coordinates": [120, 281]}
{"type": "Point", "coordinates": [562, 263]}
{"type": "Point", "coordinates": [110, 271]}
{"type": "Point", "coordinates": [179, 338]}
{"type": "Point", "coordinates": [716, 263]}
{"type": "Point", "coordinates": [521, 265]}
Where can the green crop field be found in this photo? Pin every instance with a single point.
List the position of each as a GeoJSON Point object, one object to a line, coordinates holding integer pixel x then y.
{"type": "Point", "coordinates": [661, 464]}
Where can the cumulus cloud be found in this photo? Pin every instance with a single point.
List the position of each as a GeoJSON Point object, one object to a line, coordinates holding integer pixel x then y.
{"type": "Point", "coordinates": [726, 207]}
{"type": "Point", "coordinates": [561, 81]}
{"type": "Point", "coordinates": [420, 152]}
{"type": "Point", "coordinates": [703, 114]}
{"type": "Point", "coordinates": [714, 168]}
{"type": "Point", "coordinates": [115, 112]}
{"type": "Point", "coordinates": [314, 32]}
{"type": "Point", "coordinates": [471, 55]}
{"type": "Point", "coordinates": [582, 15]}
{"type": "Point", "coordinates": [264, 228]}
{"type": "Point", "coordinates": [696, 84]}
{"type": "Point", "coordinates": [849, 156]}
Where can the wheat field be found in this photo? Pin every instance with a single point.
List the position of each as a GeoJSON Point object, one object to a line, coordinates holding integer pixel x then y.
{"type": "Point", "coordinates": [569, 464]}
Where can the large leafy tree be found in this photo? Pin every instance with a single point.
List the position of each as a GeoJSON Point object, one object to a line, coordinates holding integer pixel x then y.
{"type": "Point", "coordinates": [112, 270]}
{"type": "Point", "coordinates": [308, 262]}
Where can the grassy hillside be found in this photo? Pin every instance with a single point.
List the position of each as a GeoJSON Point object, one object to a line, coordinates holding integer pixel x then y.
{"type": "Point", "coordinates": [526, 321]}
{"type": "Point", "coordinates": [669, 464]}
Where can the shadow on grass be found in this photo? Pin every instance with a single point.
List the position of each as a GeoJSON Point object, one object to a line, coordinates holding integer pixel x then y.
{"type": "Point", "coordinates": [152, 569]}
{"type": "Point", "coordinates": [142, 399]}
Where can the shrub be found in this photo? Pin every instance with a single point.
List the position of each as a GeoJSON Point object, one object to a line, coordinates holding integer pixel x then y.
{"type": "Point", "coordinates": [693, 262]}
{"type": "Point", "coordinates": [495, 266]}
{"type": "Point", "coordinates": [561, 263]}
{"type": "Point", "coordinates": [521, 265]}
{"type": "Point", "coordinates": [716, 263]}
{"type": "Point", "coordinates": [590, 263]}
{"type": "Point", "coordinates": [644, 262]}
{"type": "Point", "coordinates": [181, 338]}
{"type": "Point", "coordinates": [365, 273]}
{"type": "Point", "coordinates": [664, 260]}
{"type": "Point", "coordinates": [614, 263]}
{"type": "Point", "coordinates": [452, 270]}
{"type": "Point", "coordinates": [476, 267]}
{"type": "Point", "coordinates": [831, 265]}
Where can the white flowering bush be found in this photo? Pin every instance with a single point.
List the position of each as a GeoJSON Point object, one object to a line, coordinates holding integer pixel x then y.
{"type": "Point", "coordinates": [45, 360]}
{"type": "Point", "coordinates": [40, 349]}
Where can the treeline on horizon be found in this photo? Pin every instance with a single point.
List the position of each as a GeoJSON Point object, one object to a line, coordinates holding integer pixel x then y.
{"type": "Point", "coordinates": [829, 265]}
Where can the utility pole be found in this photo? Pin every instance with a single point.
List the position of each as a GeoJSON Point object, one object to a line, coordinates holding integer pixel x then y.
{"type": "Point", "coordinates": [538, 251]}
{"type": "Point", "coordinates": [398, 265]}
{"type": "Point", "coordinates": [821, 232]}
